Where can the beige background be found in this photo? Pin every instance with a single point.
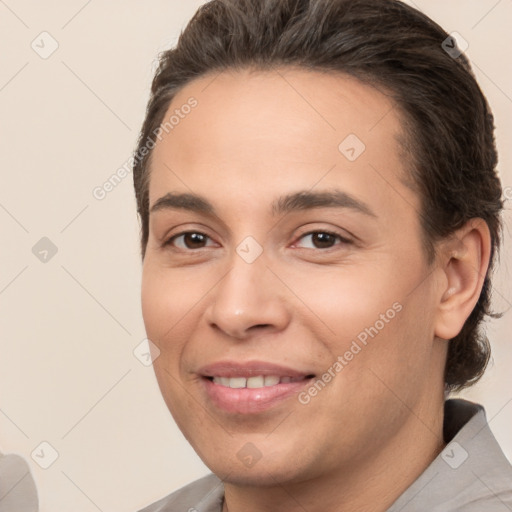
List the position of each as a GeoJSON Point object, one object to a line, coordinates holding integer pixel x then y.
{"type": "Point", "coordinates": [68, 375]}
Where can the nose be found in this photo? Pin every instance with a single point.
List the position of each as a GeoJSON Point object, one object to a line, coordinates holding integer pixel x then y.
{"type": "Point", "coordinates": [248, 300]}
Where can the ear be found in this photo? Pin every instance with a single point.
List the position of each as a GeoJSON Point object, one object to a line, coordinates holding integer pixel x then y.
{"type": "Point", "coordinates": [464, 259]}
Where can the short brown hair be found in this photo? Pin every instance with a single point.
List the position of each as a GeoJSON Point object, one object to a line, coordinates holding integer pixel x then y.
{"type": "Point", "coordinates": [385, 43]}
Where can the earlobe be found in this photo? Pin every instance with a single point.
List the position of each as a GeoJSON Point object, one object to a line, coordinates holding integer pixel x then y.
{"type": "Point", "coordinates": [464, 261]}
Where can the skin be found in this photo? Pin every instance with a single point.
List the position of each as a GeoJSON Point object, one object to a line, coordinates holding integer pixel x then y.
{"type": "Point", "coordinates": [364, 438]}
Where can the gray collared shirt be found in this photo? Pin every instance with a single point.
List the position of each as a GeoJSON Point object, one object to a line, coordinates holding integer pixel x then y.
{"type": "Point", "coordinates": [470, 475]}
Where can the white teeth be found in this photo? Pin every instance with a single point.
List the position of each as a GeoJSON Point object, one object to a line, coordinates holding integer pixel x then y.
{"type": "Point", "coordinates": [257, 381]}
{"type": "Point", "coordinates": [271, 380]}
{"type": "Point", "coordinates": [237, 382]}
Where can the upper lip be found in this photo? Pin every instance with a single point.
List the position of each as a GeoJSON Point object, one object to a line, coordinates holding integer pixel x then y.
{"type": "Point", "coordinates": [249, 369]}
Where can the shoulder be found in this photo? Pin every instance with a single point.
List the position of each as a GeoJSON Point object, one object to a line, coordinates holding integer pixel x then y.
{"type": "Point", "coordinates": [203, 495]}
{"type": "Point", "coordinates": [471, 474]}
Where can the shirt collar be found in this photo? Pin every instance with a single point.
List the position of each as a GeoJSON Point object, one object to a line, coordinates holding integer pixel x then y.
{"type": "Point", "coordinates": [471, 468]}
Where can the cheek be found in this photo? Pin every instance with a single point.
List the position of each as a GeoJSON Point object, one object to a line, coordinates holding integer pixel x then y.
{"type": "Point", "coordinates": [347, 299]}
{"type": "Point", "coordinates": [389, 340]}
{"type": "Point", "coordinates": [368, 314]}
{"type": "Point", "coordinates": [165, 303]}
{"type": "Point", "coordinates": [168, 298]}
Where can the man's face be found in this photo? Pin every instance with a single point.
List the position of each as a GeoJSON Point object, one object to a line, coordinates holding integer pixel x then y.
{"type": "Point", "coordinates": [322, 304]}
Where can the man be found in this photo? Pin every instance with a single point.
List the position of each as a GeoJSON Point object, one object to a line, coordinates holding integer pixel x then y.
{"type": "Point", "coordinates": [320, 213]}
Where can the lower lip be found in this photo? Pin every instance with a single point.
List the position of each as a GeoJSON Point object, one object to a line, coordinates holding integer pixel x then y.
{"type": "Point", "coordinates": [251, 400]}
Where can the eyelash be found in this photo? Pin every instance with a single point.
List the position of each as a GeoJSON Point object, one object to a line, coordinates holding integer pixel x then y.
{"type": "Point", "coordinates": [342, 239]}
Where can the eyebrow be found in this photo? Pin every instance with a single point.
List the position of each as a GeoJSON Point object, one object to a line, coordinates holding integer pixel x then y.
{"type": "Point", "coordinates": [302, 200]}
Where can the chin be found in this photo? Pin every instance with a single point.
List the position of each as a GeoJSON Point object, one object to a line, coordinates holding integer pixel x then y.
{"type": "Point", "coordinates": [265, 472]}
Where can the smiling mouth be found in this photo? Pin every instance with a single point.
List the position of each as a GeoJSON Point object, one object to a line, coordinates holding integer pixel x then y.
{"type": "Point", "coordinates": [252, 394]}
{"type": "Point", "coordinates": [256, 381]}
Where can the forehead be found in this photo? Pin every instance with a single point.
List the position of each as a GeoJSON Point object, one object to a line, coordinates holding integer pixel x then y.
{"type": "Point", "coordinates": [288, 125]}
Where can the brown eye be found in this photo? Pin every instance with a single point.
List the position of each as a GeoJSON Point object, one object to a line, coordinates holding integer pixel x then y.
{"type": "Point", "coordinates": [322, 240]}
{"type": "Point", "coordinates": [189, 240]}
